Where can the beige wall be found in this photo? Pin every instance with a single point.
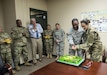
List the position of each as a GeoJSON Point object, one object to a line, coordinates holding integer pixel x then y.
{"type": "Point", "coordinates": [62, 11]}
{"type": "Point", "coordinates": [1, 15]}
{"type": "Point", "coordinates": [22, 8]}
{"type": "Point", "coordinates": [9, 14]}
{"type": "Point", "coordinates": [18, 9]}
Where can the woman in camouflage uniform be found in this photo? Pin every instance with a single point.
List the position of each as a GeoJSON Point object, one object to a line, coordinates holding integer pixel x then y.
{"type": "Point", "coordinates": [48, 40]}
{"type": "Point", "coordinates": [92, 43]}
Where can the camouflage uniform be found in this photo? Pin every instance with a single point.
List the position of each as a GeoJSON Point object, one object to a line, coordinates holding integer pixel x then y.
{"type": "Point", "coordinates": [59, 35]}
{"type": "Point", "coordinates": [20, 43]}
{"type": "Point", "coordinates": [92, 44]}
{"type": "Point", "coordinates": [48, 36]}
{"type": "Point", "coordinates": [5, 49]}
{"type": "Point", "coordinates": [75, 38]}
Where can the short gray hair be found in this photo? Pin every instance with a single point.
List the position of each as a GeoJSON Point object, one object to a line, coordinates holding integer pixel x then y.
{"type": "Point", "coordinates": [32, 19]}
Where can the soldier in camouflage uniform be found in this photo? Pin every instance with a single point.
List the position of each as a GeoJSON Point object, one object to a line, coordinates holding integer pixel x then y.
{"type": "Point", "coordinates": [48, 40]}
{"type": "Point", "coordinates": [19, 35]}
{"type": "Point", "coordinates": [59, 36]}
{"type": "Point", "coordinates": [91, 42]}
{"type": "Point", "coordinates": [5, 48]}
{"type": "Point", "coordinates": [75, 37]}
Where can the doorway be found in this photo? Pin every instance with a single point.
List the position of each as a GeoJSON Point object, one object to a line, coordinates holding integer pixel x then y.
{"type": "Point", "coordinates": [41, 18]}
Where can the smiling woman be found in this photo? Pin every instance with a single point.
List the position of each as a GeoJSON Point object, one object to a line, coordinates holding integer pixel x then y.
{"type": "Point", "coordinates": [91, 42]}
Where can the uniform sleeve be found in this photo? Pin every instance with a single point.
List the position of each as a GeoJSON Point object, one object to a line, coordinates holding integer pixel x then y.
{"type": "Point", "coordinates": [27, 32]}
{"type": "Point", "coordinates": [63, 36]}
{"type": "Point", "coordinates": [5, 36]}
{"type": "Point", "coordinates": [88, 43]}
{"type": "Point", "coordinates": [9, 37]}
{"type": "Point", "coordinates": [1, 40]}
{"type": "Point", "coordinates": [70, 38]}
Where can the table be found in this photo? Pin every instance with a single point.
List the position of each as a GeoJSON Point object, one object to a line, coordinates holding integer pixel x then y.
{"type": "Point", "coordinates": [55, 68]}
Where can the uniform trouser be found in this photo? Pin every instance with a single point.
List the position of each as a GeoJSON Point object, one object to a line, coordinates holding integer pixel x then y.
{"type": "Point", "coordinates": [6, 55]}
{"type": "Point", "coordinates": [49, 47]}
{"type": "Point", "coordinates": [18, 50]}
{"type": "Point", "coordinates": [37, 45]}
{"type": "Point", "coordinates": [60, 49]}
{"type": "Point", "coordinates": [95, 54]}
{"type": "Point", "coordinates": [73, 52]}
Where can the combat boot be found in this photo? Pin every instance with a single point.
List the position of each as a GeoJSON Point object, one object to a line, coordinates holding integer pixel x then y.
{"type": "Point", "coordinates": [17, 68]}
{"type": "Point", "coordinates": [27, 64]}
{"type": "Point", "coordinates": [50, 55]}
{"type": "Point", "coordinates": [34, 61]}
{"type": "Point", "coordinates": [13, 71]}
{"type": "Point", "coordinates": [40, 60]}
{"type": "Point", "coordinates": [47, 55]}
{"type": "Point", "coordinates": [57, 57]}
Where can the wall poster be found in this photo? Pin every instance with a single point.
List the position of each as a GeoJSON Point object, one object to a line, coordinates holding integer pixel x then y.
{"type": "Point", "coordinates": [98, 19]}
